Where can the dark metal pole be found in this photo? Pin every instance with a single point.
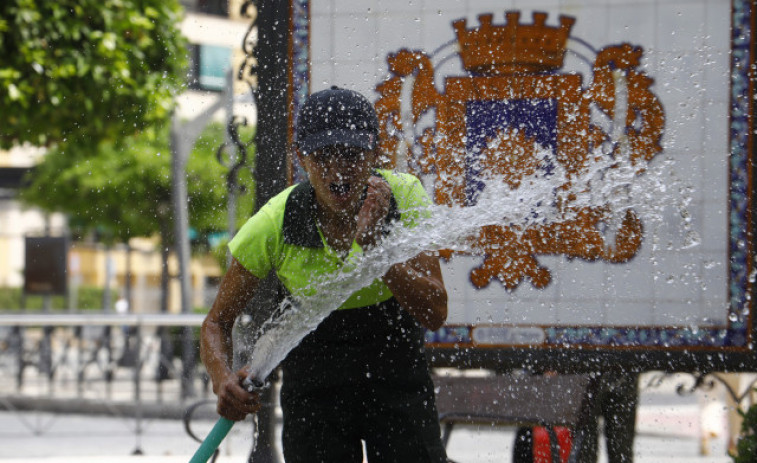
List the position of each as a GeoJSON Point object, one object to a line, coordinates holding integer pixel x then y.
{"type": "Point", "coordinates": [138, 389]}
{"type": "Point", "coordinates": [17, 346]}
{"type": "Point", "coordinates": [272, 145]}
{"type": "Point", "coordinates": [271, 137]}
{"type": "Point", "coordinates": [181, 223]}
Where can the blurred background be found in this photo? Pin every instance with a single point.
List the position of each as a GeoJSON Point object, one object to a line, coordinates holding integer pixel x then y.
{"type": "Point", "coordinates": [127, 160]}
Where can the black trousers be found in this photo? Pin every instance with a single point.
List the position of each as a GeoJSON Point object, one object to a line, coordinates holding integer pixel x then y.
{"type": "Point", "coordinates": [361, 376]}
{"type": "Point", "coordinates": [616, 402]}
{"type": "Point", "coordinates": [397, 426]}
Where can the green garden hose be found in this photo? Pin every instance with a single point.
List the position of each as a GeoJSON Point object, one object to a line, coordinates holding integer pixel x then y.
{"type": "Point", "coordinates": [212, 441]}
{"type": "Point", "coordinates": [222, 427]}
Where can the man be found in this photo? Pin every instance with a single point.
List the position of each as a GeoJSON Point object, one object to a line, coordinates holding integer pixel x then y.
{"type": "Point", "coordinates": [362, 374]}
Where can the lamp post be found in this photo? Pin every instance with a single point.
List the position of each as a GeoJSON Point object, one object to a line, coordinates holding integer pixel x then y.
{"type": "Point", "coordinates": [183, 137]}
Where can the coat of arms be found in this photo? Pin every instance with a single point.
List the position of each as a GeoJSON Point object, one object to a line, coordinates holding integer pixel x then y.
{"type": "Point", "coordinates": [512, 104]}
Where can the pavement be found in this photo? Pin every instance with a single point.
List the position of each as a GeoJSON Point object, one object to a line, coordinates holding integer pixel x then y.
{"type": "Point", "coordinates": [669, 430]}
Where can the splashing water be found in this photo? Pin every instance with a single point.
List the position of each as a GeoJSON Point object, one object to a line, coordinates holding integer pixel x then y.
{"type": "Point", "coordinates": [547, 196]}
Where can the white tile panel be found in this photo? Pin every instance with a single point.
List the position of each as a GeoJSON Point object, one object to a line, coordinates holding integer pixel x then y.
{"type": "Point", "coordinates": [680, 25]}
{"type": "Point", "coordinates": [682, 98]}
{"type": "Point", "coordinates": [715, 178]}
{"type": "Point", "coordinates": [614, 3]}
{"type": "Point", "coordinates": [578, 279]}
{"type": "Point", "coordinates": [591, 24]}
{"type": "Point", "coordinates": [714, 229]}
{"type": "Point", "coordinates": [437, 30]}
{"type": "Point", "coordinates": [495, 7]}
{"type": "Point", "coordinates": [321, 42]}
{"type": "Point", "coordinates": [535, 5]}
{"type": "Point", "coordinates": [629, 282]}
{"type": "Point", "coordinates": [321, 75]}
{"type": "Point", "coordinates": [632, 23]}
{"type": "Point", "coordinates": [355, 37]}
{"type": "Point", "coordinates": [355, 75]}
{"type": "Point", "coordinates": [620, 313]}
{"type": "Point", "coordinates": [714, 284]}
{"type": "Point", "coordinates": [400, 31]}
{"type": "Point", "coordinates": [581, 313]}
{"type": "Point", "coordinates": [358, 7]}
{"type": "Point", "coordinates": [541, 313]}
{"type": "Point", "coordinates": [685, 52]}
{"type": "Point", "coordinates": [718, 24]}
{"type": "Point", "coordinates": [321, 8]}
{"type": "Point", "coordinates": [712, 312]}
{"type": "Point", "coordinates": [716, 80]}
{"type": "Point", "coordinates": [435, 6]}
{"type": "Point", "coordinates": [676, 312]}
{"type": "Point", "coordinates": [676, 271]}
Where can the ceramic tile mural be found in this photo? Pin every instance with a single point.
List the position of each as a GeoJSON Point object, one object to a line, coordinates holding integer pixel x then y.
{"type": "Point", "coordinates": [678, 69]}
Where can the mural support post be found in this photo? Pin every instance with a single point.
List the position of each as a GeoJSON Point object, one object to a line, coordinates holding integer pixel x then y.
{"type": "Point", "coordinates": [271, 166]}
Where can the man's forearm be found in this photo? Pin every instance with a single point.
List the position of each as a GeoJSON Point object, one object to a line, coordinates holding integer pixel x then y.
{"type": "Point", "coordinates": [418, 287]}
{"type": "Point", "coordinates": [216, 350]}
{"type": "Point", "coordinates": [216, 344]}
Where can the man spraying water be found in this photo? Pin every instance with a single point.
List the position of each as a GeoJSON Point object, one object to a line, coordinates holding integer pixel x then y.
{"type": "Point", "coordinates": [361, 374]}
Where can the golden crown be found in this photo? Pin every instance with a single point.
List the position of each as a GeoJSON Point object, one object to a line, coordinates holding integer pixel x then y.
{"type": "Point", "coordinates": [513, 47]}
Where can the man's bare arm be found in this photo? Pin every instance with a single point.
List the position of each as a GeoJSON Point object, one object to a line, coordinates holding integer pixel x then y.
{"type": "Point", "coordinates": [418, 286]}
{"type": "Point", "coordinates": [216, 346]}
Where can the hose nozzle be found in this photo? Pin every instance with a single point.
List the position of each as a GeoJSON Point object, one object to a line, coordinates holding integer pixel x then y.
{"type": "Point", "coordinates": [253, 384]}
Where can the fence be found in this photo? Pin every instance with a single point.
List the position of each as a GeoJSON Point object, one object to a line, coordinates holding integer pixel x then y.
{"type": "Point", "coordinates": [98, 360]}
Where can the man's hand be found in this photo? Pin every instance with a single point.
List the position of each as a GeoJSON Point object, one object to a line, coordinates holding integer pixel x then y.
{"type": "Point", "coordinates": [216, 348]}
{"type": "Point", "coordinates": [234, 402]}
{"type": "Point", "coordinates": [370, 219]}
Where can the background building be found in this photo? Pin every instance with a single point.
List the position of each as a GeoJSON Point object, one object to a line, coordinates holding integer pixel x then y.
{"type": "Point", "coordinates": [215, 39]}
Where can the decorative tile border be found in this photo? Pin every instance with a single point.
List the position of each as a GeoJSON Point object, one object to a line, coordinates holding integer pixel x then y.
{"type": "Point", "coordinates": [740, 291]}
{"type": "Point", "coordinates": [663, 338]}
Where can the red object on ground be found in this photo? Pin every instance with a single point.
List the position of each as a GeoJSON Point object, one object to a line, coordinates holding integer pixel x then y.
{"type": "Point", "coordinates": [542, 451]}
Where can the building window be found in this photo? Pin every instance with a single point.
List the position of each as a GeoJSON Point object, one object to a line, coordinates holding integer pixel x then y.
{"type": "Point", "coordinates": [208, 67]}
{"type": "Point", "coordinates": [214, 7]}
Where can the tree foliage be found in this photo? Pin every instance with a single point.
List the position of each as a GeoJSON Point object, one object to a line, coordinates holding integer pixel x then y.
{"type": "Point", "coordinates": [87, 298]}
{"type": "Point", "coordinates": [82, 71]}
{"type": "Point", "coordinates": [123, 190]}
{"type": "Point", "coordinates": [746, 447]}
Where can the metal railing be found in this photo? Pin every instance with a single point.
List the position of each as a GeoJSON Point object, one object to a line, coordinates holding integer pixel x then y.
{"type": "Point", "coordinates": [48, 353]}
{"type": "Point", "coordinates": [97, 363]}
{"type": "Point", "coordinates": [125, 365]}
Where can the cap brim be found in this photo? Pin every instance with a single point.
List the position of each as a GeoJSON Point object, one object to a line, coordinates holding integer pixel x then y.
{"type": "Point", "coordinates": [342, 137]}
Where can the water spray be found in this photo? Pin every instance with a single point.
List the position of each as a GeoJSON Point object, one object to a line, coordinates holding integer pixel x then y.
{"type": "Point", "coordinates": [540, 200]}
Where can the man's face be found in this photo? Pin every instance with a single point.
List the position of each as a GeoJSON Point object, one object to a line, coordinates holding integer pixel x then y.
{"type": "Point", "coordinates": [339, 175]}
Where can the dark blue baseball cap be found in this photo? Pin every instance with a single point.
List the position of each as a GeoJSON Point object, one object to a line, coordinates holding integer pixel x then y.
{"type": "Point", "coordinates": [336, 117]}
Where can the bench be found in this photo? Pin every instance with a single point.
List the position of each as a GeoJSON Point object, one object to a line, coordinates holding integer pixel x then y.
{"type": "Point", "coordinates": [523, 400]}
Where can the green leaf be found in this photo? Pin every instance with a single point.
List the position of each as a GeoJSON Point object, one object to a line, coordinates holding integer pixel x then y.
{"type": "Point", "coordinates": [13, 92]}
{"type": "Point", "coordinates": [109, 75]}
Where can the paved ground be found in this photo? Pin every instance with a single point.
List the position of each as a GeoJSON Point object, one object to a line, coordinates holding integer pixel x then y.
{"type": "Point", "coordinates": [665, 436]}
{"type": "Point", "coordinates": [669, 428]}
{"type": "Point", "coordinates": [68, 439]}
